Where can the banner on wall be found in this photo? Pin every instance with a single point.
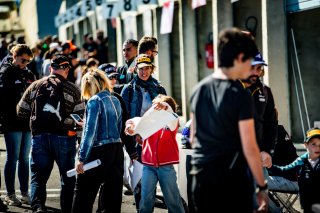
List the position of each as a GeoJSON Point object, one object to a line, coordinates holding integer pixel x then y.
{"type": "Point", "coordinates": [167, 17]}
{"type": "Point", "coordinates": [198, 3]}
{"type": "Point", "coordinates": [109, 9]}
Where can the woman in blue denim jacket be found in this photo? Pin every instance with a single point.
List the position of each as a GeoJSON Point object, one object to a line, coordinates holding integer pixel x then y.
{"type": "Point", "coordinates": [100, 140]}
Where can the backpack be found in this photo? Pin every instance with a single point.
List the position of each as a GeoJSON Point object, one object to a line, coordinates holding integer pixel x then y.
{"type": "Point", "coordinates": [48, 107]}
{"type": "Point", "coordinates": [284, 150]}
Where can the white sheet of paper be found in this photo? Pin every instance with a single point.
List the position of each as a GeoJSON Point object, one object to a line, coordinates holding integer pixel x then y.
{"type": "Point", "coordinates": [152, 121]}
{"type": "Point", "coordinates": [167, 17]}
{"type": "Point", "coordinates": [87, 166]}
{"type": "Point", "coordinates": [136, 173]}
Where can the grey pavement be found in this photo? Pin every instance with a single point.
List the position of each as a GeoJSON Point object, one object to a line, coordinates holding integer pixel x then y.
{"type": "Point", "coordinates": [53, 188]}
{"type": "Point", "coordinates": [53, 191]}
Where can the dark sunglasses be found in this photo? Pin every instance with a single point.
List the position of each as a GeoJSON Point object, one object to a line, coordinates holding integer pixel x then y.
{"type": "Point", "coordinates": [25, 61]}
{"type": "Point", "coordinates": [112, 77]}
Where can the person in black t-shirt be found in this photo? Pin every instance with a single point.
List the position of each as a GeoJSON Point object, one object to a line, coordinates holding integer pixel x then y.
{"type": "Point", "coordinates": [223, 135]}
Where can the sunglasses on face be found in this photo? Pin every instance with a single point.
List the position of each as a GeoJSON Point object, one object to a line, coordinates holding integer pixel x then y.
{"type": "Point", "coordinates": [25, 61]}
{"type": "Point", "coordinates": [112, 77]}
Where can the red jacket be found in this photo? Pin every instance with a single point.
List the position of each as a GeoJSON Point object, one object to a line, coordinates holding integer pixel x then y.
{"type": "Point", "coordinates": [161, 148]}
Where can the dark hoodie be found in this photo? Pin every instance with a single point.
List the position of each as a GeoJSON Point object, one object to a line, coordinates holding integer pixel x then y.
{"type": "Point", "coordinates": [265, 119]}
{"type": "Point", "coordinates": [13, 82]}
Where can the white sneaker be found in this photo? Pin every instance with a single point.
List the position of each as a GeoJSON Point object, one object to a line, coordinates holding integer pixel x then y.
{"type": "Point", "coordinates": [25, 199]}
{"type": "Point", "coordinates": [12, 200]}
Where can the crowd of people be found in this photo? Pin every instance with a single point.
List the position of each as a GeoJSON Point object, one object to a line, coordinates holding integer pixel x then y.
{"type": "Point", "coordinates": [233, 128]}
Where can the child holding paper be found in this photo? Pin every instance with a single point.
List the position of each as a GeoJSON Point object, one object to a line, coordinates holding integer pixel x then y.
{"type": "Point", "coordinates": [159, 153]}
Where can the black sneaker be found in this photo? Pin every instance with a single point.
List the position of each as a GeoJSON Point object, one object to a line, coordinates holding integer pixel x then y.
{"type": "Point", "coordinates": [3, 208]}
{"type": "Point", "coordinates": [39, 209]}
{"type": "Point", "coordinates": [128, 192]}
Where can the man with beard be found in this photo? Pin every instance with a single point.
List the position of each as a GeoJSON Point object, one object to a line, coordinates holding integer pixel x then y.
{"type": "Point", "coordinates": [266, 122]}
{"type": "Point", "coordinates": [265, 114]}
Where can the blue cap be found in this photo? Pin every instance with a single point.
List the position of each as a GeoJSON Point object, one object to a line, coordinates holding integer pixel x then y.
{"type": "Point", "coordinates": [109, 69]}
{"type": "Point", "coordinates": [258, 60]}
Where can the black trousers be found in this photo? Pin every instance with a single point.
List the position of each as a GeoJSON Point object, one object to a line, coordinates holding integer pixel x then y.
{"type": "Point", "coordinates": [219, 189]}
{"type": "Point", "coordinates": [108, 176]}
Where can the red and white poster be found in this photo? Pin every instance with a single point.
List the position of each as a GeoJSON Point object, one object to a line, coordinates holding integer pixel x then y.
{"type": "Point", "coordinates": [167, 17]}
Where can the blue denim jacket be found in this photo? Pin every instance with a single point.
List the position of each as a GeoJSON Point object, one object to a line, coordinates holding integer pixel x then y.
{"type": "Point", "coordinates": [132, 96]}
{"type": "Point", "coordinates": [102, 123]}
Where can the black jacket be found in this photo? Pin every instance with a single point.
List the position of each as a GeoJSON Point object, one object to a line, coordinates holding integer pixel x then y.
{"type": "Point", "coordinates": [13, 82]}
{"type": "Point", "coordinates": [127, 140]}
{"type": "Point", "coordinates": [124, 77]}
{"type": "Point", "coordinates": [284, 151]}
{"type": "Point", "coordinates": [266, 123]}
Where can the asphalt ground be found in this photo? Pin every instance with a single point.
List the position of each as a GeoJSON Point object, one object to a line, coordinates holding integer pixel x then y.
{"type": "Point", "coordinates": [53, 190]}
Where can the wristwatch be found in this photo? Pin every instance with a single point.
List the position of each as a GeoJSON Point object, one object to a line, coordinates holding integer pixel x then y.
{"type": "Point", "coordinates": [262, 188]}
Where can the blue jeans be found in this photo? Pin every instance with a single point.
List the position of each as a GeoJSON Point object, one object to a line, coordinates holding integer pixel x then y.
{"type": "Point", "coordinates": [283, 184]}
{"type": "Point", "coordinates": [18, 150]}
{"type": "Point", "coordinates": [166, 175]}
{"type": "Point", "coordinates": [47, 148]}
{"type": "Point", "coordinates": [271, 205]}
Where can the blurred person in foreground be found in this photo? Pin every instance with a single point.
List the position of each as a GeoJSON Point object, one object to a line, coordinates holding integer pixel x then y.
{"type": "Point", "coordinates": [223, 133]}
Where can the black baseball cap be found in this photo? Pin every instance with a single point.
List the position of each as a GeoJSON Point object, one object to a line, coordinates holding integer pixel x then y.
{"type": "Point", "coordinates": [60, 61]}
{"type": "Point", "coordinates": [109, 69]}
